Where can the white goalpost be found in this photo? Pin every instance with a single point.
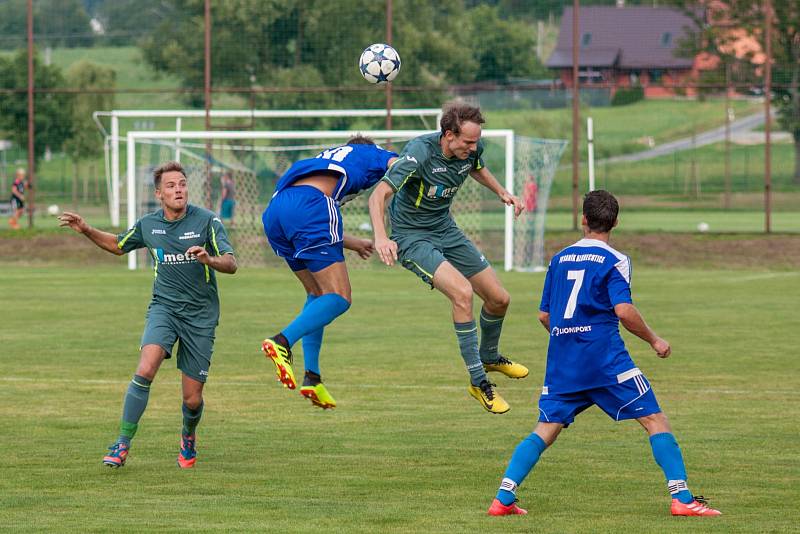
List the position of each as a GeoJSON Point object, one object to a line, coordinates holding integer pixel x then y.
{"type": "Point", "coordinates": [113, 139]}
{"type": "Point", "coordinates": [256, 159]}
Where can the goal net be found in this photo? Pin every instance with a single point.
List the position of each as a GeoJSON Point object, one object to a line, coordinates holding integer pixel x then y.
{"type": "Point", "coordinates": [256, 159]}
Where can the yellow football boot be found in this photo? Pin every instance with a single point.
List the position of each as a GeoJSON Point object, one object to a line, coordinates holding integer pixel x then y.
{"type": "Point", "coordinates": [488, 398]}
{"type": "Point", "coordinates": [507, 367]}
{"type": "Point", "coordinates": [318, 395]}
{"type": "Point", "coordinates": [282, 358]}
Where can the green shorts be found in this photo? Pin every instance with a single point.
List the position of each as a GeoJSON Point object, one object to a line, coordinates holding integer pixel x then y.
{"type": "Point", "coordinates": [423, 252]}
{"type": "Point", "coordinates": [196, 344]}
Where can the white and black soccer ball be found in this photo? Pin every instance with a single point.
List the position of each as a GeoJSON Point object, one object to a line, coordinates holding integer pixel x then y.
{"type": "Point", "coordinates": [379, 63]}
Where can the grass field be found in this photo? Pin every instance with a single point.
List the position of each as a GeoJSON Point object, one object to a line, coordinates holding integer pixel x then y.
{"type": "Point", "coordinates": [407, 450]}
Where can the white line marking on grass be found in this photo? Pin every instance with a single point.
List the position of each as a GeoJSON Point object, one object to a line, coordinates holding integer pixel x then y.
{"type": "Point", "coordinates": [268, 383]}
{"type": "Point", "coordinates": [764, 276]}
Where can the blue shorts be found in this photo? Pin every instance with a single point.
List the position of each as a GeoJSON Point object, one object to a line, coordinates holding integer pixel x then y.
{"type": "Point", "coordinates": [631, 398]}
{"type": "Point", "coordinates": [304, 226]}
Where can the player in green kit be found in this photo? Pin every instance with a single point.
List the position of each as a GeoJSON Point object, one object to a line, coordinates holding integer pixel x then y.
{"type": "Point", "coordinates": [426, 240]}
{"type": "Point", "coordinates": [187, 244]}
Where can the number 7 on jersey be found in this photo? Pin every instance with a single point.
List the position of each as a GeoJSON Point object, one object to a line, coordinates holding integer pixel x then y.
{"type": "Point", "coordinates": [572, 302]}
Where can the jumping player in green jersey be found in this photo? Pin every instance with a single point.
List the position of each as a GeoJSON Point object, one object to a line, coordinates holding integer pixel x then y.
{"type": "Point", "coordinates": [426, 240]}
{"type": "Point", "coordinates": [187, 244]}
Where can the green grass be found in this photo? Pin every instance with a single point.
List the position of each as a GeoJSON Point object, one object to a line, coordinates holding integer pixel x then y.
{"type": "Point", "coordinates": [407, 450]}
{"type": "Point", "coordinates": [622, 129]}
{"type": "Point", "coordinates": [687, 221]}
{"type": "Point", "coordinates": [631, 220]}
{"type": "Point", "coordinates": [673, 174]}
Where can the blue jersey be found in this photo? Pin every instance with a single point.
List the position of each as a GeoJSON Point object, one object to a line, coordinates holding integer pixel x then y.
{"type": "Point", "coordinates": [583, 284]}
{"type": "Point", "coordinates": [358, 167]}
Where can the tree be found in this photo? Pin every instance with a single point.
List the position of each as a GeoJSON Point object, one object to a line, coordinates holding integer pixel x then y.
{"type": "Point", "coordinates": [86, 142]}
{"type": "Point", "coordinates": [728, 19]}
{"type": "Point", "coordinates": [53, 111]}
{"type": "Point", "coordinates": [55, 23]}
{"type": "Point", "coordinates": [504, 49]}
{"type": "Point", "coordinates": [125, 21]}
{"type": "Point", "coordinates": [273, 42]}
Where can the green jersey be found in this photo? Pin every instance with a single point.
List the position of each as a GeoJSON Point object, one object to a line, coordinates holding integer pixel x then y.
{"type": "Point", "coordinates": [185, 286]}
{"type": "Point", "coordinates": [425, 181]}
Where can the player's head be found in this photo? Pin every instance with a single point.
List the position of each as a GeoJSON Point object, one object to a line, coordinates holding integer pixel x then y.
{"type": "Point", "coordinates": [461, 129]}
{"type": "Point", "coordinates": [360, 140]}
{"type": "Point", "coordinates": [600, 210]}
{"type": "Point", "coordinates": [172, 190]}
{"type": "Point", "coordinates": [20, 173]}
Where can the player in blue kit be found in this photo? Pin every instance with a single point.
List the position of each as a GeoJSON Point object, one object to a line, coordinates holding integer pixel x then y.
{"type": "Point", "coordinates": [304, 226]}
{"type": "Point", "coordinates": [586, 294]}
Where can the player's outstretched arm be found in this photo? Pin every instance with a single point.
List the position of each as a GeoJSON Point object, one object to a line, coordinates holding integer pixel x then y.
{"type": "Point", "coordinates": [484, 177]}
{"type": "Point", "coordinates": [363, 247]}
{"type": "Point", "coordinates": [385, 247]}
{"type": "Point", "coordinates": [104, 240]}
{"type": "Point", "coordinates": [633, 321]}
{"type": "Point", "coordinates": [224, 264]}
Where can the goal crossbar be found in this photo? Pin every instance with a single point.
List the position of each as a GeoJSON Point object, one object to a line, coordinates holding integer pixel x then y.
{"type": "Point", "coordinates": [133, 136]}
{"type": "Point", "coordinates": [113, 139]}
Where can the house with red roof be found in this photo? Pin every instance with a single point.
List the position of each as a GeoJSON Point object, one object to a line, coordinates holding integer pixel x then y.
{"type": "Point", "coordinates": [627, 46]}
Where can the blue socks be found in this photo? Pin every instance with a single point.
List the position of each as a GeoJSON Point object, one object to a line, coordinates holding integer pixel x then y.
{"type": "Point", "coordinates": [467, 334]}
{"type": "Point", "coordinates": [668, 457]}
{"type": "Point", "coordinates": [316, 314]}
{"type": "Point", "coordinates": [135, 402]}
{"type": "Point", "coordinates": [522, 461]}
{"type": "Point", "coordinates": [665, 451]}
{"type": "Point", "coordinates": [312, 344]}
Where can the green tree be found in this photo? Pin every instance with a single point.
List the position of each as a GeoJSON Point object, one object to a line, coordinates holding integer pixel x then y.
{"type": "Point", "coordinates": [55, 23]}
{"type": "Point", "coordinates": [718, 34]}
{"type": "Point", "coordinates": [505, 49]}
{"type": "Point", "coordinates": [86, 142]}
{"type": "Point", "coordinates": [126, 21]}
{"type": "Point", "coordinates": [258, 43]}
{"type": "Point", "coordinates": [53, 111]}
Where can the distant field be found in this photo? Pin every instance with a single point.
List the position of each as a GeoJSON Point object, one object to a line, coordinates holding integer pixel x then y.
{"type": "Point", "coordinates": [656, 220]}
{"type": "Point", "coordinates": [623, 129]}
{"type": "Point", "coordinates": [407, 450]}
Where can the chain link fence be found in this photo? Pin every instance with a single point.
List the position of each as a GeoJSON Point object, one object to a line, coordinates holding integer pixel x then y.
{"type": "Point", "coordinates": [680, 147]}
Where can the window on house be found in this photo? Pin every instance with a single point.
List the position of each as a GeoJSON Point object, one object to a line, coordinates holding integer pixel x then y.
{"type": "Point", "coordinates": [656, 75]}
{"type": "Point", "coordinates": [666, 39]}
{"type": "Point", "coordinates": [586, 39]}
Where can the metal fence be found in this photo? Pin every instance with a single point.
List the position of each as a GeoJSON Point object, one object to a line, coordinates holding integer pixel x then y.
{"type": "Point", "coordinates": [694, 145]}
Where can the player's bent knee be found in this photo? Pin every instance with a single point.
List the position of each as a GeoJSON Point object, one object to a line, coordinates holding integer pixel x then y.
{"type": "Point", "coordinates": [501, 301]}
{"type": "Point", "coordinates": [656, 423]}
{"type": "Point", "coordinates": [462, 297]}
{"type": "Point", "coordinates": [193, 400]}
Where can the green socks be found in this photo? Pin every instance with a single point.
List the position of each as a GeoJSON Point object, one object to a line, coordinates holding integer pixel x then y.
{"type": "Point", "coordinates": [191, 418]}
{"type": "Point", "coordinates": [133, 408]}
{"type": "Point", "coordinates": [467, 334]}
{"type": "Point", "coordinates": [491, 325]}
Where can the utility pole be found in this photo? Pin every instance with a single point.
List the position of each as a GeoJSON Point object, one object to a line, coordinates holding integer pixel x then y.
{"type": "Point", "coordinates": [575, 113]}
{"type": "Point", "coordinates": [31, 128]}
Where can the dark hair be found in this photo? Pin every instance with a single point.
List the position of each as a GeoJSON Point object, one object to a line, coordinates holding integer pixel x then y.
{"type": "Point", "coordinates": [360, 140]}
{"type": "Point", "coordinates": [454, 114]}
{"type": "Point", "coordinates": [601, 210]}
{"type": "Point", "coordinates": [169, 166]}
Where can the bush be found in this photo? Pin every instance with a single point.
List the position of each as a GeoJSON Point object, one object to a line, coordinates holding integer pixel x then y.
{"type": "Point", "coordinates": [628, 95]}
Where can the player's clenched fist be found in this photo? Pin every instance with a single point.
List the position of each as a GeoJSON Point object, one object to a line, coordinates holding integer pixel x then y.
{"type": "Point", "coordinates": [200, 253]}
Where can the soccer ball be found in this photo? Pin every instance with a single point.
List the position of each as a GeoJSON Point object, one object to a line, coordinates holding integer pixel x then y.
{"type": "Point", "coordinates": [703, 227]}
{"type": "Point", "coordinates": [379, 63]}
{"type": "Point", "coordinates": [52, 209]}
